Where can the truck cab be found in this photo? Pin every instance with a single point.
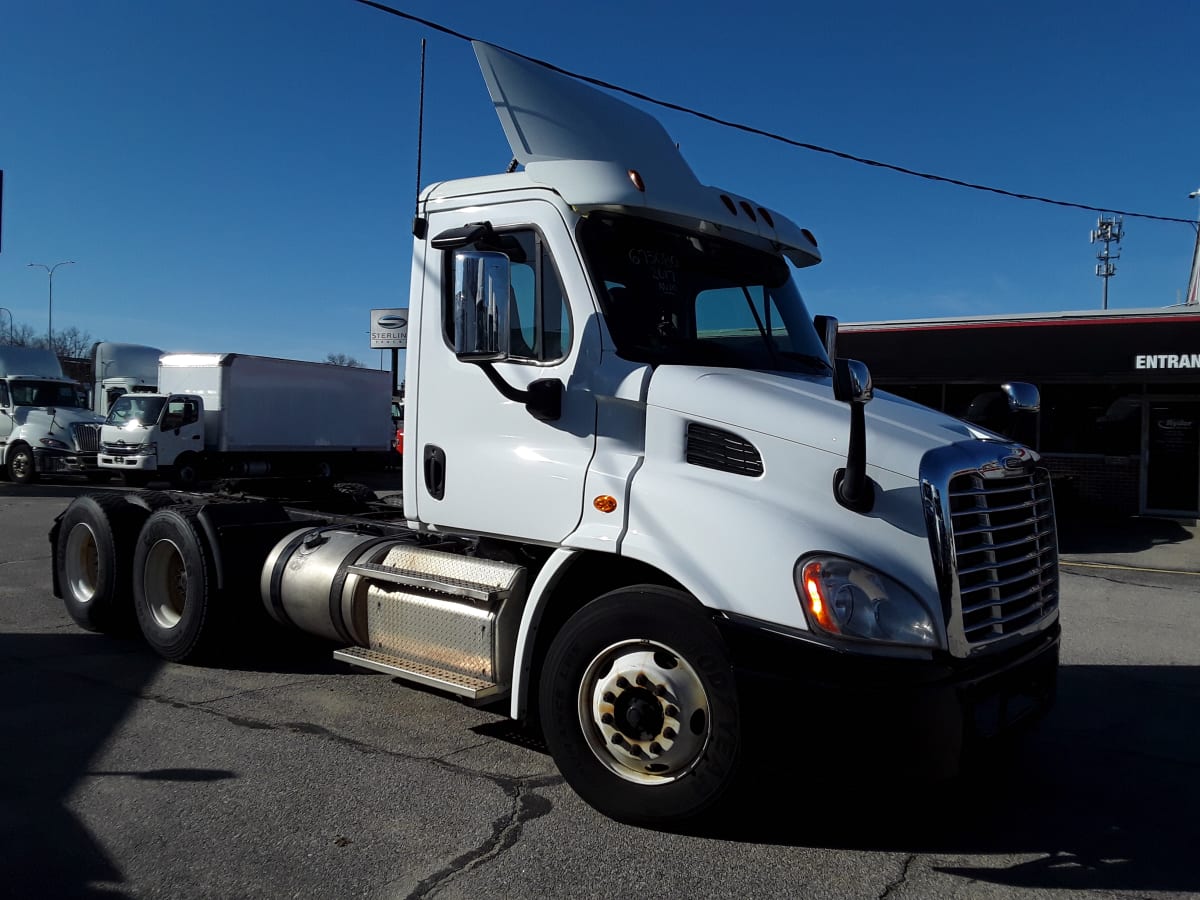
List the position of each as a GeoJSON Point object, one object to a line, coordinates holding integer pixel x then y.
{"type": "Point", "coordinates": [45, 425]}
{"type": "Point", "coordinates": [142, 429]}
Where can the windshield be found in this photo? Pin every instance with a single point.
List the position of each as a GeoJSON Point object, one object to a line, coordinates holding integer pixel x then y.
{"type": "Point", "coordinates": [674, 296]}
{"type": "Point", "coordinates": [47, 393]}
{"type": "Point", "coordinates": [130, 410]}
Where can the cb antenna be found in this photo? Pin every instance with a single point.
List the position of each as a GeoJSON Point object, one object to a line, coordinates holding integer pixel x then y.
{"type": "Point", "coordinates": [418, 223]}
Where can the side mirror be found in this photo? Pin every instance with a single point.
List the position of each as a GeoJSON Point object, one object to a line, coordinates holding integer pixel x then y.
{"type": "Point", "coordinates": [852, 384]}
{"type": "Point", "coordinates": [481, 292]}
{"type": "Point", "coordinates": [827, 331]}
{"type": "Point", "coordinates": [1022, 396]}
{"type": "Point", "coordinates": [852, 381]}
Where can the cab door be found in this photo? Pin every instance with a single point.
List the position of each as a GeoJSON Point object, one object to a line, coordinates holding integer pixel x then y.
{"type": "Point", "coordinates": [484, 463]}
{"type": "Point", "coordinates": [6, 418]}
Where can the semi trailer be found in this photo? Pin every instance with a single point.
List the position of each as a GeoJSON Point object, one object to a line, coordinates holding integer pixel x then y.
{"type": "Point", "coordinates": [639, 484]}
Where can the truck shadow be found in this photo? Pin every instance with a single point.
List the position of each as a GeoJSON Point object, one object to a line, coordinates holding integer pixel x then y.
{"type": "Point", "coordinates": [1104, 793]}
{"type": "Point", "coordinates": [1099, 533]}
{"type": "Point", "coordinates": [56, 719]}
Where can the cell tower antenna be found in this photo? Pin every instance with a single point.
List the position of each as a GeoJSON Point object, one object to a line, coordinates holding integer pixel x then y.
{"type": "Point", "coordinates": [1108, 231]}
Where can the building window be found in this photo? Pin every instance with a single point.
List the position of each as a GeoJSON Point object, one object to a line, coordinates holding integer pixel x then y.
{"type": "Point", "coordinates": [1104, 419]}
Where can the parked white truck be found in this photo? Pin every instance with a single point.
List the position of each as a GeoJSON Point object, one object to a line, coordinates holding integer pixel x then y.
{"type": "Point", "coordinates": [45, 425]}
{"type": "Point", "coordinates": [120, 368]}
{"type": "Point", "coordinates": [640, 488]}
{"type": "Point", "coordinates": [234, 414]}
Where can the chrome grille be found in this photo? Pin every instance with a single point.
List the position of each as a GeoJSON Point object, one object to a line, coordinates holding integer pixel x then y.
{"type": "Point", "coordinates": [87, 436]}
{"type": "Point", "coordinates": [1005, 552]}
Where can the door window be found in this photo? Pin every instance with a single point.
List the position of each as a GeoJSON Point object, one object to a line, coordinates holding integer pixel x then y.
{"type": "Point", "coordinates": [539, 318]}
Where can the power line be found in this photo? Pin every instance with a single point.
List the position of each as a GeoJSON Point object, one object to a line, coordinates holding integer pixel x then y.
{"type": "Point", "coordinates": [783, 139]}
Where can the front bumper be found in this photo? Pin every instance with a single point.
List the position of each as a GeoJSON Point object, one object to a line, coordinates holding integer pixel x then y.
{"type": "Point", "coordinates": [50, 462]}
{"type": "Point", "coordinates": [929, 714]}
{"type": "Point", "coordinates": [141, 462]}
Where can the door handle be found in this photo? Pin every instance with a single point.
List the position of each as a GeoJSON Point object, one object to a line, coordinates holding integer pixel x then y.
{"type": "Point", "coordinates": [435, 471]}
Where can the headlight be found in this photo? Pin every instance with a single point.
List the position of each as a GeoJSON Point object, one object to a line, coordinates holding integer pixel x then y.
{"type": "Point", "coordinates": [847, 599]}
{"type": "Point", "coordinates": [150, 447]}
{"type": "Point", "coordinates": [54, 444]}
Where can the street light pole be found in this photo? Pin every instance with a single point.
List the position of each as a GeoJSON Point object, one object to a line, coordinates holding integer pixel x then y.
{"type": "Point", "coordinates": [50, 319]}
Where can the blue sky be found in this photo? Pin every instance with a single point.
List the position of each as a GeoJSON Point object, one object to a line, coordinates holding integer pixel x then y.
{"type": "Point", "coordinates": [238, 175]}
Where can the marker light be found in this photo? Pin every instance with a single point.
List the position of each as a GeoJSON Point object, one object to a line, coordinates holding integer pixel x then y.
{"type": "Point", "coordinates": [816, 601]}
{"type": "Point", "coordinates": [637, 180]}
{"type": "Point", "coordinates": [605, 503]}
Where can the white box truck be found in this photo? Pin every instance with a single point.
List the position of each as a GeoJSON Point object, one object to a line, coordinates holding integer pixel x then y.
{"type": "Point", "coordinates": [45, 425]}
{"type": "Point", "coordinates": [120, 368]}
{"type": "Point", "coordinates": [641, 493]}
{"type": "Point", "coordinates": [232, 414]}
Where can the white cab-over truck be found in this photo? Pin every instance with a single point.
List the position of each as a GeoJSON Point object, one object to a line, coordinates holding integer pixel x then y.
{"type": "Point", "coordinates": [219, 414]}
{"type": "Point", "coordinates": [641, 494]}
{"type": "Point", "coordinates": [120, 368]}
{"type": "Point", "coordinates": [45, 425]}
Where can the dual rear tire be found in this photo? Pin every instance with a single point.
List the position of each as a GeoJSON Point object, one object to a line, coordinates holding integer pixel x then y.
{"type": "Point", "coordinates": [129, 562]}
{"type": "Point", "coordinates": [94, 545]}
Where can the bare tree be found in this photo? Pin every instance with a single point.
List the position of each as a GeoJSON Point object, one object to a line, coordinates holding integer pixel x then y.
{"type": "Point", "coordinates": [71, 343]}
{"type": "Point", "coordinates": [21, 336]}
{"type": "Point", "coordinates": [341, 359]}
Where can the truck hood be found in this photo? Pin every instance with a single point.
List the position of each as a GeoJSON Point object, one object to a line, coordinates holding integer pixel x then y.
{"type": "Point", "coordinates": [40, 421]}
{"type": "Point", "coordinates": [802, 409]}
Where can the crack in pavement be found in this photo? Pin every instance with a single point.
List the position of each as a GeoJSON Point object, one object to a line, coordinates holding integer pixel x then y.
{"type": "Point", "coordinates": [897, 883]}
{"type": "Point", "coordinates": [506, 831]}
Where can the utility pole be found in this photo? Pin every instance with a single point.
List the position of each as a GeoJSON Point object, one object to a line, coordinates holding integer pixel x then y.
{"type": "Point", "coordinates": [1194, 281]}
{"type": "Point", "coordinates": [50, 315]}
{"type": "Point", "coordinates": [1107, 231]}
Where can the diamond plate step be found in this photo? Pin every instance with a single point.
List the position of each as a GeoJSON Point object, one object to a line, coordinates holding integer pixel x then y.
{"type": "Point", "coordinates": [456, 587]}
{"type": "Point", "coordinates": [421, 673]}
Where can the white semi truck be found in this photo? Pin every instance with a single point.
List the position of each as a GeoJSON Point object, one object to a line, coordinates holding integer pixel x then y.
{"type": "Point", "coordinates": [45, 425]}
{"type": "Point", "coordinates": [121, 368]}
{"type": "Point", "coordinates": [233, 414]}
{"type": "Point", "coordinates": [640, 489]}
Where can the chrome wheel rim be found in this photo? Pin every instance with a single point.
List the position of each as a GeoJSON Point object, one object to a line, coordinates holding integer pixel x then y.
{"type": "Point", "coordinates": [81, 563]}
{"type": "Point", "coordinates": [644, 712]}
{"type": "Point", "coordinates": [165, 583]}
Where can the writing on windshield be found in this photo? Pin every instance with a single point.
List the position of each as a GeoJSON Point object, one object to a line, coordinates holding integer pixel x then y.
{"type": "Point", "coordinates": [674, 296]}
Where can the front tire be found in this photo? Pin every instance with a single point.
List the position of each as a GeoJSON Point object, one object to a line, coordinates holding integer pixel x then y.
{"type": "Point", "coordinates": [185, 474]}
{"type": "Point", "coordinates": [639, 707]}
{"type": "Point", "coordinates": [22, 468]}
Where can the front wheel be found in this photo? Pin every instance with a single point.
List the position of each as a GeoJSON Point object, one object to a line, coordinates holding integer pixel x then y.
{"type": "Point", "coordinates": [21, 466]}
{"type": "Point", "coordinates": [639, 708]}
{"type": "Point", "coordinates": [185, 474]}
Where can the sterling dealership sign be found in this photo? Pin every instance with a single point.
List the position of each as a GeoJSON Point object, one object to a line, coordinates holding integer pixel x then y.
{"type": "Point", "coordinates": [389, 329]}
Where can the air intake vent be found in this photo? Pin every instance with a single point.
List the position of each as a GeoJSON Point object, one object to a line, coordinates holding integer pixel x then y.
{"type": "Point", "coordinates": [717, 449]}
